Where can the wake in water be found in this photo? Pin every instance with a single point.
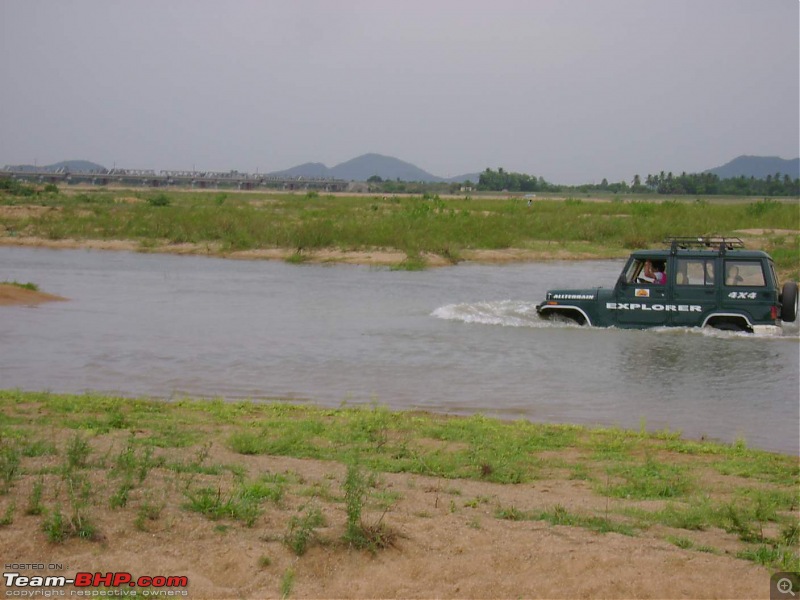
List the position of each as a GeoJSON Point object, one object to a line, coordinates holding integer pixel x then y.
{"type": "Point", "coordinates": [509, 313]}
{"type": "Point", "coordinates": [515, 313]}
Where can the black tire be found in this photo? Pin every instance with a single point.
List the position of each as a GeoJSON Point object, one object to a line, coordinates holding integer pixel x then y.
{"type": "Point", "coordinates": [560, 316]}
{"type": "Point", "coordinates": [729, 325]}
{"type": "Point", "coordinates": [789, 302]}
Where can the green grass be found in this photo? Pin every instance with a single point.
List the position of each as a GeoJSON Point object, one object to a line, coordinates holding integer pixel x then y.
{"type": "Point", "coordinates": [302, 529]}
{"type": "Point", "coordinates": [776, 557]}
{"type": "Point", "coordinates": [35, 506]}
{"type": "Point", "coordinates": [559, 515]}
{"type": "Point", "coordinates": [287, 583]}
{"type": "Point", "coordinates": [25, 286]}
{"type": "Point", "coordinates": [148, 511]}
{"type": "Point", "coordinates": [215, 504]}
{"type": "Point", "coordinates": [647, 481]}
{"type": "Point", "coordinates": [643, 483]}
{"type": "Point", "coordinates": [695, 514]}
{"type": "Point", "coordinates": [9, 465]}
{"type": "Point", "coordinates": [415, 225]}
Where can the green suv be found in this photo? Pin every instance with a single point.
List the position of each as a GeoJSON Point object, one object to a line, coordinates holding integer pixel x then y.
{"type": "Point", "coordinates": [694, 282]}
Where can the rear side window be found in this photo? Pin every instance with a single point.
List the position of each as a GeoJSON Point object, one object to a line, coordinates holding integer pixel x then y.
{"type": "Point", "coordinates": [744, 273]}
{"type": "Point", "coordinates": [694, 271]}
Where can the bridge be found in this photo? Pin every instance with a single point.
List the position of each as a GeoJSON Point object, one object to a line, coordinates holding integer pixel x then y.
{"type": "Point", "coordinates": [192, 179]}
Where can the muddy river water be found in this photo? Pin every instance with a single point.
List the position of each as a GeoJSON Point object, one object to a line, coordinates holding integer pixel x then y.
{"type": "Point", "coordinates": [457, 340]}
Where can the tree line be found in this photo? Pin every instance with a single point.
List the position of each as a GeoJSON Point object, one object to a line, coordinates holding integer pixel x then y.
{"type": "Point", "coordinates": [662, 183]}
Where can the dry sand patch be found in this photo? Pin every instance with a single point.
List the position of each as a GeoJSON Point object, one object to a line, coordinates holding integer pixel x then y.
{"type": "Point", "coordinates": [14, 295]}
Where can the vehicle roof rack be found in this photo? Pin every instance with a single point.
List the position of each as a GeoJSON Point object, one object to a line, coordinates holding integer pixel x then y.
{"type": "Point", "coordinates": [713, 242]}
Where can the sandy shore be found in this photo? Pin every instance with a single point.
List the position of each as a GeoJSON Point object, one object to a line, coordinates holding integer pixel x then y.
{"type": "Point", "coordinates": [445, 547]}
{"type": "Point", "coordinates": [12, 295]}
{"type": "Point", "coordinates": [449, 541]}
{"type": "Point", "coordinates": [376, 257]}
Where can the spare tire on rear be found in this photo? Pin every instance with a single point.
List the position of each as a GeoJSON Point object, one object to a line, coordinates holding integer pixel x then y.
{"type": "Point", "coordinates": [789, 302]}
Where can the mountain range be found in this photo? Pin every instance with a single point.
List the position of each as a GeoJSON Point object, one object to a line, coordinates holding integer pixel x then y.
{"type": "Point", "coordinates": [74, 166]}
{"type": "Point", "coordinates": [389, 168]}
{"type": "Point", "coordinates": [365, 166]}
{"type": "Point", "coordinates": [758, 167]}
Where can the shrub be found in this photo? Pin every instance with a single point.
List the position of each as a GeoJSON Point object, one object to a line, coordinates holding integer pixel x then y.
{"type": "Point", "coordinates": [302, 529]}
{"type": "Point", "coordinates": [370, 536]}
{"type": "Point", "coordinates": [9, 467]}
{"type": "Point", "coordinates": [757, 209]}
{"type": "Point", "coordinates": [159, 200]}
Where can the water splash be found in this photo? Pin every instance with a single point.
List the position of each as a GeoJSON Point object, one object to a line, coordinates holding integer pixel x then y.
{"type": "Point", "coordinates": [508, 313]}
{"type": "Point", "coordinates": [516, 313]}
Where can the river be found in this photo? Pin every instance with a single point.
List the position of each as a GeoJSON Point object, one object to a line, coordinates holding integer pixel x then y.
{"type": "Point", "coordinates": [457, 340]}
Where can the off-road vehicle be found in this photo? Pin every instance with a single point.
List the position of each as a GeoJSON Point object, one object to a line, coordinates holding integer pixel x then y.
{"type": "Point", "coordinates": [693, 282]}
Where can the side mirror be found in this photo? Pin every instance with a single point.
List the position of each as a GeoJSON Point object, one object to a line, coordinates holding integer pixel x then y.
{"type": "Point", "coordinates": [622, 281]}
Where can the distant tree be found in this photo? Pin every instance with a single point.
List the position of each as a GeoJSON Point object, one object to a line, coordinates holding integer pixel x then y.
{"type": "Point", "coordinates": [375, 179]}
{"type": "Point", "coordinates": [710, 184]}
{"type": "Point", "coordinates": [513, 182]}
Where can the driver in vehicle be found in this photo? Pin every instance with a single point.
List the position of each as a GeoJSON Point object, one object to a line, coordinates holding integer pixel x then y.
{"type": "Point", "coordinates": [654, 272]}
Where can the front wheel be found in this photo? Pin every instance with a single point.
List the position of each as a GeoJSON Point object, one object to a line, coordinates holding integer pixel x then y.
{"type": "Point", "coordinates": [789, 302]}
{"type": "Point", "coordinates": [563, 316]}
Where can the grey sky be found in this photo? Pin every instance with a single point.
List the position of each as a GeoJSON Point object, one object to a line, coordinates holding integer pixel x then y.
{"type": "Point", "coordinates": [570, 90]}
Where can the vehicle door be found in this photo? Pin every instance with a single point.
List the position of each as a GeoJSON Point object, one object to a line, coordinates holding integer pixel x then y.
{"type": "Point", "coordinates": [746, 291]}
{"type": "Point", "coordinates": [640, 301]}
{"type": "Point", "coordinates": [694, 294]}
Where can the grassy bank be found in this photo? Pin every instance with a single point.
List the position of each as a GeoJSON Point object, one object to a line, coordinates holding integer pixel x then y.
{"type": "Point", "coordinates": [450, 227]}
{"type": "Point", "coordinates": [24, 286]}
{"type": "Point", "coordinates": [67, 460]}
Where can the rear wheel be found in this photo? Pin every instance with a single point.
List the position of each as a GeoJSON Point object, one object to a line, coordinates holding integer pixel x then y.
{"type": "Point", "coordinates": [789, 302]}
{"type": "Point", "coordinates": [729, 324]}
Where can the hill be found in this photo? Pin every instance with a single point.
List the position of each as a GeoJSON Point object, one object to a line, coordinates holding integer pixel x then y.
{"type": "Point", "coordinates": [757, 166]}
{"type": "Point", "coordinates": [73, 166]}
{"type": "Point", "coordinates": [369, 165]}
{"type": "Point", "coordinates": [308, 170]}
{"type": "Point", "coordinates": [365, 166]}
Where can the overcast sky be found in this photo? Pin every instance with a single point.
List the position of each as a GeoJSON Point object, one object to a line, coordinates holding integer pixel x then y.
{"type": "Point", "coordinates": [570, 90]}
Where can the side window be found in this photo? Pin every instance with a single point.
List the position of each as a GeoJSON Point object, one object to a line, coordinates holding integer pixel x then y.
{"type": "Point", "coordinates": [682, 271]}
{"type": "Point", "coordinates": [647, 271]}
{"type": "Point", "coordinates": [744, 273]}
{"type": "Point", "coordinates": [694, 271]}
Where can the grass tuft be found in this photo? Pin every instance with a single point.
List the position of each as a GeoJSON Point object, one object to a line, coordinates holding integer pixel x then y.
{"type": "Point", "coordinates": [651, 480]}
{"type": "Point", "coordinates": [302, 529]}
